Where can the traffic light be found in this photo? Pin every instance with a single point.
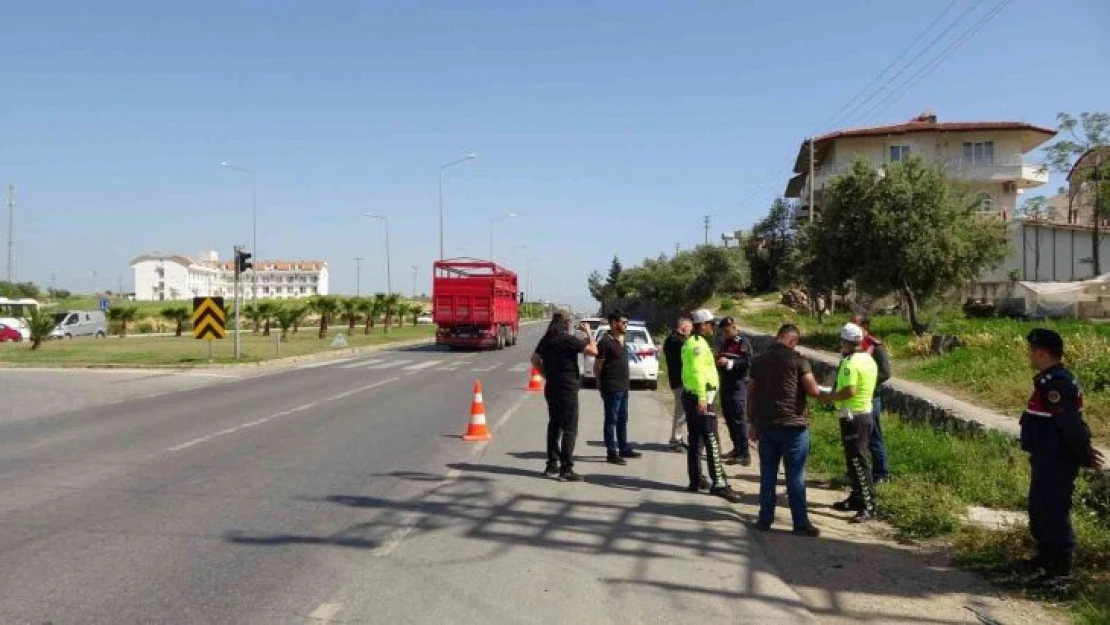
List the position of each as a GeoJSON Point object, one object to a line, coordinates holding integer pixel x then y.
{"type": "Point", "coordinates": [242, 261]}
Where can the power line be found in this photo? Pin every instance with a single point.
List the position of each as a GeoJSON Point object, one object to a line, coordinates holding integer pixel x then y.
{"type": "Point", "coordinates": [938, 60]}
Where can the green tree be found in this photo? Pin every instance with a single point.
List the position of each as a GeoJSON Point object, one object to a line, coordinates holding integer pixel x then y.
{"type": "Point", "coordinates": [350, 308]}
{"type": "Point", "coordinates": [41, 324]}
{"type": "Point", "coordinates": [1086, 138]}
{"type": "Point", "coordinates": [608, 288]}
{"type": "Point", "coordinates": [906, 231]}
{"type": "Point", "coordinates": [176, 315]}
{"type": "Point", "coordinates": [769, 247]}
{"type": "Point", "coordinates": [326, 307]}
{"type": "Point", "coordinates": [416, 309]}
{"type": "Point", "coordinates": [123, 315]}
{"type": "Point", "coordinates": [289, 317]}
{"type": "Point", "coordinates": [254, 315]}
{"type": "Point", "coordinates": [16, 290]}
{"type": "Point", "coordinates": [403, 309]}
{"type": "Point", "coordinates": [378, 308]}
{"type": "Point", "coordinates": [392, 301]}
{"type": "Point", "coordinates": [266, 312]}
{"type": "Point", "coordinates": [366, 309]}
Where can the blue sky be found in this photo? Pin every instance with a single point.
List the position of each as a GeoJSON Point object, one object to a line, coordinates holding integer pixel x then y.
{"type": "Point", "coordinates": [608, 127]}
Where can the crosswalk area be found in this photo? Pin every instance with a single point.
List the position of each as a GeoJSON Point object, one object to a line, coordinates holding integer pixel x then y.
{"type": "Point", "coordinates": [408, 364]}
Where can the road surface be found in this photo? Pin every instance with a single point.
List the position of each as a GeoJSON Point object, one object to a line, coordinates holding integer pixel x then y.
{"type": "Point", "coordinates": [341, 492]}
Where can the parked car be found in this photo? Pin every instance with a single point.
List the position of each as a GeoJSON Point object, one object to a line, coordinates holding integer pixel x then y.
{"type": "Point", "coordinates": [77, 323]}
{"type": "Point", "coordinates": [643, 357]}
{"type": "Point", "coordinates": [8, 333]}
{"type": "Point", "coordinates": [424, 320]}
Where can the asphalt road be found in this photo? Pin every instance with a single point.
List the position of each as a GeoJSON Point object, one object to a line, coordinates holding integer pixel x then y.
{"type": "Point", "coordinates": [310, 495]}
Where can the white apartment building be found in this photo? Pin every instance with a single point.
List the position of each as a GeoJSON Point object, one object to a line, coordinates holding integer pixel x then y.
{"type": "Point", "coordinates": [170, 277]}
{"type": "Point", "coordinates": [987, 156]}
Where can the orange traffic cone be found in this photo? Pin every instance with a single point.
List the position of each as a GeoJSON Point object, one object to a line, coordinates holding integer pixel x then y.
{"type": "Point", "coordinates": [535, 383]}
{"type": "Point", "coordinates": [477, 430]}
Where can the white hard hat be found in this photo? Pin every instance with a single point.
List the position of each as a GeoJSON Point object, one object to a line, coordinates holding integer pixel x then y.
{"type": "Point", "coordinates": [851, 333]}
{"type": "Point", "coordinates": [701, 315]}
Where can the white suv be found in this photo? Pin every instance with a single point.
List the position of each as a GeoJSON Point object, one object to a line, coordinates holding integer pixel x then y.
{"type": "Point", "coordinates": [643, 357]}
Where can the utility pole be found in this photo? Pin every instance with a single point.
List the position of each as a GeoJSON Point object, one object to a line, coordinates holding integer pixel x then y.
{"type": "Point", "coordinates": [120, 291]}
{"type": "Point", "coordinates": [706, 221]}
{"type": "Point", "coordinates": [11, 224]}
{"type": "Point", "coordinates": [812, 208]}
{"type": "Point", "coordinates": [415, 271]}
{"type": "Point", "coordinates": [358, 276]}
{"type": "Point", "coordinates": [235, 270]}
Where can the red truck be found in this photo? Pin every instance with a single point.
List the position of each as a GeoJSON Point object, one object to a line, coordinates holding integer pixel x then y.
{"type": "Point", "coordinates": [474, 304]}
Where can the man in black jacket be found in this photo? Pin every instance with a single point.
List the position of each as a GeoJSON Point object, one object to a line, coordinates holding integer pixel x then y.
{"type": "Point", "coordinates": [880, 467]}
{"type": "Point", "coordinates": [1059, 443]}
{"type": "Point", "coordinates": [672, 351]}
{"type": "Point", "coordinates": [734, 360]}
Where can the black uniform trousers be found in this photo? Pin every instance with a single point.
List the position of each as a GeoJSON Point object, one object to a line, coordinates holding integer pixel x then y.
{"type": "Point", "coordinates": [855, 433]}
{"type": "Point", "coordinates": [1050, 490]}
{"type": "Point", "coordinates": [734, 403]}
{"type": "Point", "coordinates": [703, 435]}
{"type": "Point", "coordinates": [562, 426]}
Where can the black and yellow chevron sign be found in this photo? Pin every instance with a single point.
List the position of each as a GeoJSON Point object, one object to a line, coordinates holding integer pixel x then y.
{"type": "Point", "coordinates": [209, 318]}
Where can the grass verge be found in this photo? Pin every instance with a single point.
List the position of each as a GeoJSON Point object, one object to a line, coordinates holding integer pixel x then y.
{"type": "Point", "coordinates": [186, 351]}
{"type": "Point", "coordinates": [990, 368]}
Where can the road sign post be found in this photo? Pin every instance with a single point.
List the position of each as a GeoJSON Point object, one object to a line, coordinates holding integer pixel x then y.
{"type": "Point", "coordinates": [209, 320]}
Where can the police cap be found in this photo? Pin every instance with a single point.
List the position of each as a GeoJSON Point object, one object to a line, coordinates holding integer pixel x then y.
{"type": "Point", "coordinates": [1046, 339]}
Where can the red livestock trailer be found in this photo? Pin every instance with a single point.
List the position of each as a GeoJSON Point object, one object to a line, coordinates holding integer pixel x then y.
{"type": "Point", "coordinates": [475, 304]}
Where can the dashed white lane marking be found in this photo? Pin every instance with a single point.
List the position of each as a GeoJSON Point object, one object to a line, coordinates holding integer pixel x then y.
{"type": "Point", "coordinates": [325, 612]}
{"type": "Point", "coordinates": [521, 368]}
{"type": "Point", "coordinates": [326, 363]}
{"type": "Point", "coordinates": [423, 365]}
{"type": "Point", "coordinates": [387, 365]}
{"type": "Point", "coordinates": [486, 368]}
{"type": "Point", "coordinates": [361, 363]}
{"type": "Point", "coordinates": [276, 415]}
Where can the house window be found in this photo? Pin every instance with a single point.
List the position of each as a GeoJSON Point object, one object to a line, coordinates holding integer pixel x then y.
{"type": "Point", "coordinates": [986, 202]}
{"type": "Point", "coordinates": [899, 153]}
{"type": "Point", "coordinates": [978, 153]}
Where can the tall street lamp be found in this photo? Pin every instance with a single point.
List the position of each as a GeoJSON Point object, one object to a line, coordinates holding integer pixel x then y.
{"type": "Point", "coordinates": [492, 222]}
{"type": "Point", "coordinates": [358, 276]}
{"type": "Point", "coordinates": [254, 223]}
{"type": "Point", "coordinates": [415, 271]}
{"type": "Point", "coordinates": [388, 270]}
{"type": "Point", "coordinates": [468, 157]}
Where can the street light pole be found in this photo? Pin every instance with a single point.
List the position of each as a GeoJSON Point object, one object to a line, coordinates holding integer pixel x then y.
{"type": "Point", "coordinates": [415, 271]}
{"type": "Point", "coordinates": [491, 224]}
{"type": "Point", "coordinates": [254, 223]}
{"type": "Point", "coordinates": [388, 261]}
{"type": "Point", "coordinates": [468, 157]}
{"type": "Point", "coordinates": [358, 276]}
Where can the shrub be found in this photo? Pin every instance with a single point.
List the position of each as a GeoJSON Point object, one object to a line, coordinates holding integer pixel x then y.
{"type": "Point", "coordinates": [919, 508]}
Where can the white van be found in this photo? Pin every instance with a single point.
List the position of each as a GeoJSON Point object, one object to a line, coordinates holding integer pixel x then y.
{"type": "Point", "coordinates": [76, 323]}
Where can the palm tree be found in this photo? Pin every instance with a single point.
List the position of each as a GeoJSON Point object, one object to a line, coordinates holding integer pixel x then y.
{"type": "Point", "coordinates": [366, 307]}
{"type": "Point", "coordinates": [402, 312]}
{"type": "Point", "coordinates": [266, 312]}
{"type": "Point", "coordinates": [378, 309]}
{"type": "Point", "coordinates": [40, 324]}
{"type": "Point", "coordinates": [123, 315]}
{"type": "Point", "coordinates": [326, 307]}
{"type": "Point", "coordinates": [289, 318]}
{"type": "Point", "coordinates": [392, 301]}
{"type": "Point", "coordinates": [253, 313]}
{"type": "Point", "coordinates": [176, 315]}
{"type": "Point", "coordinates": [350, 307]}
{"type": "Point", "coordinates": [416, 310]}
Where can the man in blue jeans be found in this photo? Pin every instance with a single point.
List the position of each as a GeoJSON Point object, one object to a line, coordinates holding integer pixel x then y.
{"type": "Point", "coordinates": [781, 378]}
{"type": "Point", "coordinates": [612, 375]}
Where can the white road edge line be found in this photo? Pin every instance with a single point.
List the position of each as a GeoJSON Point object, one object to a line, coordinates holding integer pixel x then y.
{"type": "Point", "coordinates": [283, 413]}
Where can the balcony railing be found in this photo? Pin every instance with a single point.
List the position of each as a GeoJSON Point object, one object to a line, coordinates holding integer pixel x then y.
{"type": "Point", "coordinates": [1007, 168]}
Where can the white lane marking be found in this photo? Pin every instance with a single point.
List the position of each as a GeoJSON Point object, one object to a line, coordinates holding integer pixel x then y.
{"type": "Point", "coordinates": [521, 368]}
{"type": "Point", "coordinates": [361, 363]}
{"type": "Point", "coordinates": [386, 365]}
{"type": "Point", "coordinates": [326, 363]}
{"type": "Point", "coordinates": [283, 413]}
{"type": "Point", "coordinates": [486, 368]}
{"type": "Point", "coordinates": [423, 365]}
{"type": "Point", "coordinates": [325, 612]}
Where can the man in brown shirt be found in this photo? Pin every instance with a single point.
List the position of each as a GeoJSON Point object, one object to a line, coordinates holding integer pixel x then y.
{"type": "Point", "coordinates": [781, 379]}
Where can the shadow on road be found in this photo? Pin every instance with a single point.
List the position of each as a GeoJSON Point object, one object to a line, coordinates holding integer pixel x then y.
{"type": "Point", "coordinates": [476, 506]}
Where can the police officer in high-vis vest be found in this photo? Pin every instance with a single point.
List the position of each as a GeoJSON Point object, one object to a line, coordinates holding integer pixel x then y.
{"type": "Point", "coordinates": [1059, 443]}
{"type": "Point", "coordinates": [700, 385]}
